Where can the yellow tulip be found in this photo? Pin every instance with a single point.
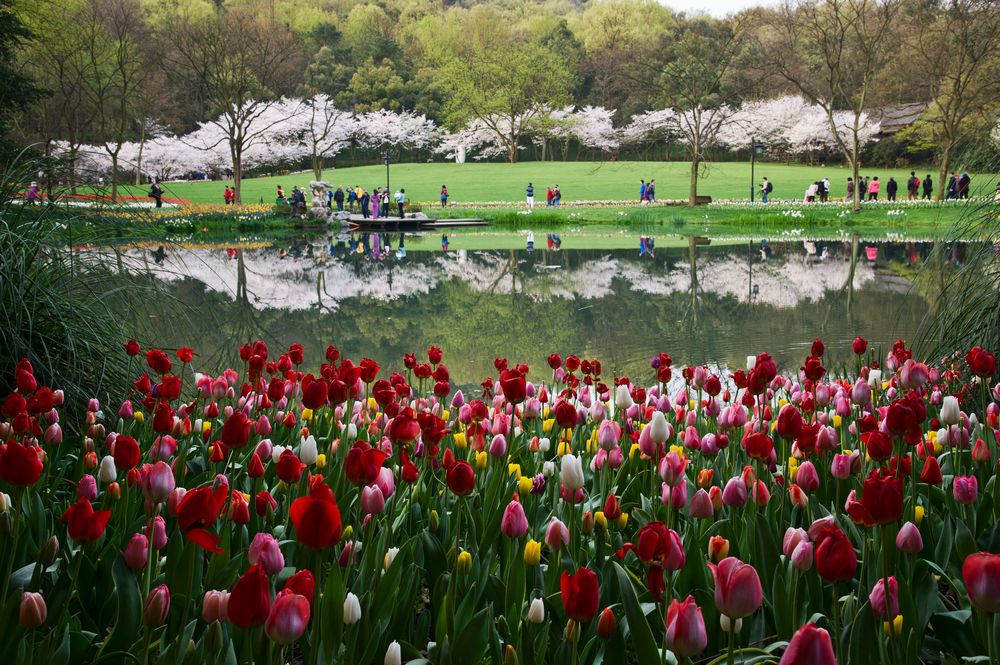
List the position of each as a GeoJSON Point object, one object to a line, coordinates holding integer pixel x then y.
{"type": "Point", "coordinates": [307, 415]}
{"type": "Point", "coordinates": [445, 414]}
{"type": "Point", "coordinates": [464, 563]}
{"type": "Point", "coordinates": [514, 470]}
{"type": "Point", "coordinates": [563, 448]}
{"type": "Point", "coordinates": [321, 460]}
{"type": "Point", "coordinates": [481, 459]}
{"type": "Point", "coordinates": [206, 427]}
{"type": "Point", "coordinates": [600, 520]}
{"type": "Point", "coordinates": [896, 627]}
{"type": "Point", "coordinates": [548, 424]}
{"type": "Point", "coordinates": [679, 450]}
{"type": "Point", "coordinates": [525, 484]}
{"type": "Point", "coordinates": [633, 451]}
{"type": "Point", "coordinates": [138, 417]}
{"type": "Point", "coordinates": [919, 515]}
{"type": "Point", "coordinates": [546, 412]}
{"type": "Point", "coordinates": [460, 441]}
{"type": "Point", "coordinates": [837, 420]}
{"type": "Point", "coordinates": [691, 404]}
{"type": "Point", "coordinates": [372, 404]}
{"type": "Point", "coordinates": [782, 402]}
{"type": "Point", "coordinates": [532, 552]}
{"type": "Point", "coordinates": [622, 520]}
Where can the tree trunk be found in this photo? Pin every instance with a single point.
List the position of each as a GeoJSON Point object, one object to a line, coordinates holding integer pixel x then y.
{"type": "Point", "coordinates": [317, 164]}
{"type": "Point", "coordinates": [693, 191]}
{"type": "Point", "coordinates": [237, 175]}
{"type": "Point", "coordinates": [512, 149]}
{"type": "Point", "coordinates": [114, 180]}
{"type": "Point", "coordinates": [138, 160]}
{"type": "Point", "coordinates": [943, 173]}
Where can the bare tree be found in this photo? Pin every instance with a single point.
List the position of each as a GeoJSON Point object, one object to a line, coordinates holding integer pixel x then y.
{"type": "Point", "coordinates": [242, 61]}
{"type": "Point", "coordinates": [831, 51]}
{"type": "Point", "coordinates": [958, 43]}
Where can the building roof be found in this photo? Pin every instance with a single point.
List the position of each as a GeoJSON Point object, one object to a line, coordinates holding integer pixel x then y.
{"type": "Point", "coordinates": [893, 118]}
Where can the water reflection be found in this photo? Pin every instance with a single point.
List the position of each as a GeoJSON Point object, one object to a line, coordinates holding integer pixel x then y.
{"type": "Point", "coordinates": [366, 293]}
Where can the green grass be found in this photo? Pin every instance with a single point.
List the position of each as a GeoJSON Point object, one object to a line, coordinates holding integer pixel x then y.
{"type": "Point", "coordinates": [578, 180]}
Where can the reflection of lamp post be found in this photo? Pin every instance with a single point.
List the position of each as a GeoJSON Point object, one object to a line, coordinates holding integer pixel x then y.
{"type": "Point", "coordinates": [755, 149]}
{"type": "Point", "coordinates": [385, 158]}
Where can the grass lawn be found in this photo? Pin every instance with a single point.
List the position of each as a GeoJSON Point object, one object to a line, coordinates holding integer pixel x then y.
{"type": "Point", "coordinates": [578, 181]}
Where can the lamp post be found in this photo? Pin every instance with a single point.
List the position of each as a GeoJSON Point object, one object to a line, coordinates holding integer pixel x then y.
{"type": "Point", "coordinates": [755, 149]}
{"type": "Point", "coordinates": [385, 158]}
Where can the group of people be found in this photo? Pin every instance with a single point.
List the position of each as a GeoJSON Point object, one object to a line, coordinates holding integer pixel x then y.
{"type": "Point", "coordinates": [553, 196]}
{"type": "Point", "coordinates": [914, 185]}
{"type": "Point", "coordinates": [647, 192]}
{"type": "Point", "coordinates": [870, 188]}
{"type": "Point", "coordinates": [376, 204]}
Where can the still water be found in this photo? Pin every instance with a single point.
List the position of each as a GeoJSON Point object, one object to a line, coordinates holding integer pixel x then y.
{"type": "Point", "coordinates": [705, 302]}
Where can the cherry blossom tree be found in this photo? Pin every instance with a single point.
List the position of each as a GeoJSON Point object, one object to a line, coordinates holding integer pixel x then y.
{"type": "Point", "coordinates": [319, 127]}
{"type": "Point", "coordinates": [388, 129]}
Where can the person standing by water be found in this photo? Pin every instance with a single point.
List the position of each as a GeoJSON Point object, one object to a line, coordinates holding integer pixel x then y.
{"type": "Point", "coordinates": [964, 183]}
{"type": "Point", "coordinates": [375, 199]}
{"type": "Point", "coordinates": [228, 196]}
{"type": "Point", "coordinates": [401, 201]}
{"type": "Point", "coordinates": [338, 198]}
{"type": "Point", "coordinates": [890, 190]}
{"type": "Point", "coordinates": [952, 192]}
{"type": "Point", "coordinates": [444, 196]}
{"type": "Point", "coordinates": [444, 242]}
{"type": "Point", "coordinates": [765, 189]}
{"type": "Point", "coordinates": [529, 194]}
{"type": "Point", "coordinates": [557, 196]}
{"type": "Point", "coordinates": [549, 197]}
{"type": "Point", "coordinates": [364, 200]}
{"type": "Point", "coordinates": [928, 186]}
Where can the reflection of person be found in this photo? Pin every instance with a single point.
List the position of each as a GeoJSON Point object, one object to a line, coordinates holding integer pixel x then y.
{"type": "Point", "coordinates": [531, 241]}
{"type": "Point", "coordinates": [444, 242]}
{"type": "Point", "coordinates": [159, 255]}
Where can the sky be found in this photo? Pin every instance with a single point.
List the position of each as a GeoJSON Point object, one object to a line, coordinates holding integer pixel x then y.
{"type": "Point", "coordinates": [714, 7]}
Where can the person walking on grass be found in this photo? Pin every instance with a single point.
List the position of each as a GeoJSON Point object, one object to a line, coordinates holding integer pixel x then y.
{"type": "Point", "coordinates": [911, 187]}
{"type": "Point", "coordinates": [873, 188]}
{"type": "Point", "coordinates": [444, 196]}
{"type": "Point", "coordinates": [557, 196]}
{"type": "Point", "coordinates": [650, 191]}
{"type": "Point", "coordinates": [642, 192]}
{"type": "Point", "coordinates": [890, 189]}
{"type": "Point", "coordinates": [549, 196]}
{"type": "Point", "coordinates": [765, 189]}
{"type": "Point", "coordinates": [529, 195]}
{"type": "Point", "coordinates": [928, 186]}
{"type": "Point", "coordinates": [849, 194]}
{"type": "Point", "coordinates": [401, 201]}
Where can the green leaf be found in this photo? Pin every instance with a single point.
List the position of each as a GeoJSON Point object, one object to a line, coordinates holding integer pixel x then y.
{"type": "Point", "coordinates": [129, 612]}
{"type": "Point", "coordinates": [471, 643]}
{"type": "Point", "coordinates": [332, 613]}
{"type": "Point", "coordinates": [640, 635]}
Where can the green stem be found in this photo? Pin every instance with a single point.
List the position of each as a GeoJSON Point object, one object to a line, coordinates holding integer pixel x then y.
{"type": "Point", "coordinates": [730, 659]}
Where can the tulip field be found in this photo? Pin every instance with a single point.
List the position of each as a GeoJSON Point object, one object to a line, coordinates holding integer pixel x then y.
{"type": "Point", "coordinates": [329, 510]}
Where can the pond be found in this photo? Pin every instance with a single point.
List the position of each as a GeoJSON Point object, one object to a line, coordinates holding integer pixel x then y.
{"type": "Point", "coordinates": [701, 300]}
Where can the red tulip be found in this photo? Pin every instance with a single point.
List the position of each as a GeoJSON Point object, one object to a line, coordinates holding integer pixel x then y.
{"type": "Point", "coordinates": [513, 385]}
{"type": "Point", "coordinates": [198, 510]}
{"type": "Point", "coordinates": [809, 646]}
{"type": "Point", "coordinates": [555, 361]}
{"type": "Point", "coordinates": [758, 445]}
{"type": "Point", "coordinates": [686, 634]}
{"type": "Point", "coordinates": [236, 430]}
{"type": "Point", "coordinates": [83, 523]}
{"type": "Point", "coordinates": [565, 414]}
{"type": "Point", "coordinates": [878, 445]}
{"type": "Point", "coordinates": [834, 554]}
{"type": "Point", "coordinates": [403, 428]}
{"type": "Point", "coordinates": [817, 348]}
{"type": "Point", "coordinates": [132, 348]}
{"type": "Point", "coordinates": [302, 583]}
{"type": "Point", "coordinates": [789, 422]}
{"type": "Point", "coordinates": [931, 472]}
{"type": "Point", "coordinates": [127, 453]}
{"type": "Point", "coordinates": [363, 462]}
{"type": "Point", "coordinates": [288, 618]}
{"type": "Point", "coordinates": [250, 601]}
{"type": "Point", "coordinates": [580, 594]}
{"type": "Point", "coordinates": [20, 465]}
{"type": "Point", "coordinates": [981, 362]}
{"type": "Point", "coordinates": [981, 574]}
{"type": "Point", "coordinates": [660, 548]}
{"type": "Point", "coordinates": [316, 517]}
{"type": "Point", "coordinates": [737, 588]}
{"type": "Point", "coordinates": [882, 501]}
{"type": "Point", "coordinates": [607, 624]}
{"type": "Point", "coordinates": [461, 478]}
{"type": "Point", "coordinates": [369, 369]}
{"type": "Point", "coordinates": [32, 611]}
{"type": "Point", "coordinates": [859, 345]}
{"type": "Point", "coordinates": [289, 467]}
{"type": "Point", "coordinates": [314, 392]}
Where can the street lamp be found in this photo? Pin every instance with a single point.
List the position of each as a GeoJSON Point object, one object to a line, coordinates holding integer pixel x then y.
{"type": "Point", "coordinates": [385, 158]}
{"type": "Point", "coordinates": [755, 149]}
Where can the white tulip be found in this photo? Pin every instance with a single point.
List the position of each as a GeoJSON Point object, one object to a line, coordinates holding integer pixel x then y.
{"type": "Point", "coordinates": [536, 611]}
{"type": "Point", "coordinates": [951, 414]}
{"type": "Point", "coordinates": [352, 432]}
{"type": "Point", "coordinates": [5, 503]}
{"type": "Point", "coordinates": [728, 625]}
{"type": "Point", "coordinates": [875, 378]}
{"type": "Point", "coordinates": [659, 429]}
{"type": "Point", "coordinates": [276, 453]}
{"type": "Point", "coordinates": [544, 444]}
{"type": "Point", "coordinates": [390, 556]}
{"type": "Point", "coordinates": [623, 400]}
{"type": "Point", "coordinates": [571, 473]}
{"type": "Point", "coordinates": [352, 609]}
{"type": "Point", "coordinates": [108, 473]}
{"type": "Point", "coordinates": [548, 469]}
{"type": "Point", "coordinates": [751, 362]}
{"type": "Point", "coordinates": [308, 451]}
{"type": "Point", "coordinates": [393, 656]}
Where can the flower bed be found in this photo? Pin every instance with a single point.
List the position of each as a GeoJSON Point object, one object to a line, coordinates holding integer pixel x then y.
{"type": "Point", "coordinates": [350, 514]}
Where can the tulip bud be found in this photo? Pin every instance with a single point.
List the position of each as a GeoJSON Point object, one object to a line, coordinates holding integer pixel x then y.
{"type": "Point", "coordinates": [393, 656]}
{"type": "Point", "coordinates": [33, 611]}
{"type": "Point", "coordinates": [352, 609]}
{"type": "Point", "coordinates": [157, 606]}
{"type": "Point", "coordinates": [728, 625]}
{"type": "Point", "coordinates": [390, 556]}
{"type": "Point", "coordinates": [115, 491]}
{"type": "Point", "coordinates": [607, 624]}
{"type": "Point", "coordinates": [718, 548]}
{"type": "Point", "coordinates": [951, 414]}
{"type": "Point", "coordinates": [215, 606]}
{"type": "Point", "coordinates": [107, 473]}
{"type": "Point", "coordinates": [909, 539]}
{"type": "Point", "coordinates": [464, 563]}
{"type": "Point", "coordinates": [802, 556]}
{"type": "Point", "coordinates": [536, 611]}
{"type": "Point", "coordinates": [433, 520]}
{"type": "Point", "coordinates": [532, 552]}
{"type": "Point", "coordinates": [264, 549]}
{"type": "Point", "coordinates": [137, 552]}
{"type": "Point", "coordinates": [588, 523]}
{"type": "Point", "coordinates": [509, 655]}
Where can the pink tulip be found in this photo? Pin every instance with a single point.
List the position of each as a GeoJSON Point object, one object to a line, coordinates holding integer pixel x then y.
{"type": "Point", "coordinates": [672, 468]}
{"type": "Point", "coordinates": [737, 588]}
{"type": "Point", "coordinates": [791, 540]}
{"type": "Point", "coordinates": [735, 493]}
{"type": "Point", "coordinates": [608, 434]}
{"type": "Point", "coordinates": [157, 607]}
{"type": "Point", "coordinates": [879, 601]}
{"type": "Point", "coordinates": [125, 410]}
{"type": "Point", "coordinates": [615, 457]}
{"type": "Point", "coordinates": [288, 618]}
{"type": "Point", "coordinates": [842, 466]}
{"type": "Point", "coordinates": [159, 527]}
{"type": "Point", "coordinates": [264, 549]}
{"type": "Point", "coordinates": [158, 482]}
{"type": "Point", "coordinates": [809, 646]}
{"type": "Point", "coordinates": [262, 426]}
{"type": "Point", "coordinates": [701, 505]}
{"type": "Point", "coordinates": [686, 634]}
{"type": "Point", "coordinates": [372, 500]}
{"type": "Point", "coordinates": [909, 539]}
{"type": "Point", "coordinates": [53, 434]}
{"type": "Point", "coordinates": [86, 488]}
{"type": "Point", "coordinates": [679, 495]}
{"type": "Point", "coordinates": [761, 493]}
{"type": "Point", "coordinates": [386, 482]}
{"type": "Point", "coordinates": [137, 552]}
{"type": "Point", "coordinates": [556, 534]}
{"type": "Point", "coordinates": [514, 524]}
{"type": "Point", "coordinates": [806, 477]}
{"type": "Point", "coordinates": [32, 610]}
{"type": "Point", "coordinates": [802, 556]}
{"type": "Point", "coordinates": [965, 489]}
{"type": "Point", "coordinates": [498, 446]}
{"type": "Point", "coordinates": [981, 574]}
